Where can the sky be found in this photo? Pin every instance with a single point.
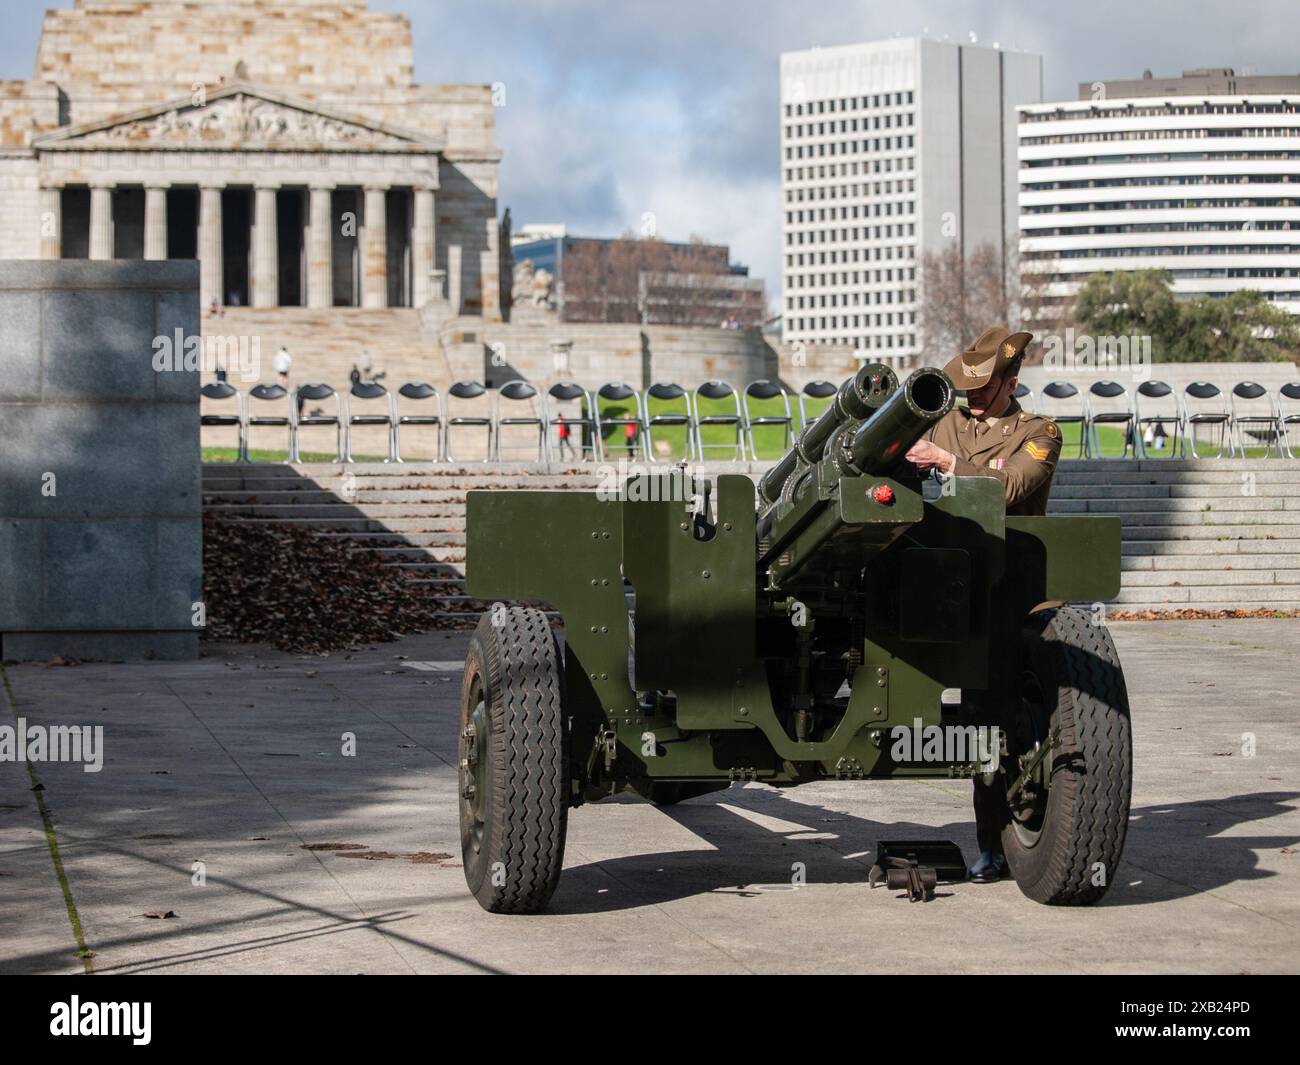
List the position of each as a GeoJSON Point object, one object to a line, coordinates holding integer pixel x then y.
{"type": "Point", "coordinates": [616, 109]}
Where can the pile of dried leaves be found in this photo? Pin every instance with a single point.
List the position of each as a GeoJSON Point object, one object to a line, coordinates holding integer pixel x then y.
{"type": "Point", "coordinates": [280, 584]}
{"type": "Point", "coordinates": [1192, 614]}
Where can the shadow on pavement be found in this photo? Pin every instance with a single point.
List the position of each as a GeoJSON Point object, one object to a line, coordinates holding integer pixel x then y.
{"type": "Point", "coordinates": [1177, 849]}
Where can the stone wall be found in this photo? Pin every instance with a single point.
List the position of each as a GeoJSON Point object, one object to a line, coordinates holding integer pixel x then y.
{"type": "Point", "coordinates": [99, 461]}
{"type": "Point", "coordinates": [595, 353]}
{"type": "Point", "coordinates": [100, 45]}
{"type": "Point", "coordinates": [111, 58]}
{"type": "Point", "coordinates": [26, 109]}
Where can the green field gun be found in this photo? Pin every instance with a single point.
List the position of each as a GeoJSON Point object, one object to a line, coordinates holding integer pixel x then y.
{"type": "Point", "coordinates": [841, 620]}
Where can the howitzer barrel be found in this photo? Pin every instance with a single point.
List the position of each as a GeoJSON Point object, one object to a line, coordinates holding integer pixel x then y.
{"type": "Point", "coordinates": [874, 447]}
{"type": "Point", "coordinates": [860, 394]}
{"type": "Point", "coordinates": [883, 439]}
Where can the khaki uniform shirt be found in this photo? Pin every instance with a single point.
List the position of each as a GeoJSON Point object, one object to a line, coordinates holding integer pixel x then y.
{"type": "Point", "coordinates": [1018, 448]}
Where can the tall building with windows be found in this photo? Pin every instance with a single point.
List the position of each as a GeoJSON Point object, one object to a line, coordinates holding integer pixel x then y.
{"type": "Point", "coordinates": [1198, 175]}
{"type": "Point", "coordinates": [890, 150]}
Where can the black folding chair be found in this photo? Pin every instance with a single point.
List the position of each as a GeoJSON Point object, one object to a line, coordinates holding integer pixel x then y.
{"type": "Point", "coordinates": [271, 394]}
{"type": "Point", "coordinates": [1205, 404]}
{"type": "Point", "coordinates": [667, 391]}
{"type": "Point", "coordinates": [817, 391]}
{"type": "Point", "coordinates": [763, 391]}
{"type": "Point", "coordinates": [219, 391]}
{"type": "Point", "coordinates": [716, 391]}
{"type": "Point", "coordinates": [467, 392]}
{"type": "Point", "coordinates": [567, 392]}
{"type": "Point", "coordinates": [1155, 405]}
{"type": "Point", "coordinates": [318, 394]}
{"type": "Point", "coordinates": [365, 393]}
{"type": "Point", "coordinates": [1254, 412]}
{"type": "Point", "coordinates": [1109, 404]}
{"type": "Point", "coordinates": [418, 393]}
{"type": "Point", "coordinates": [1060, 401]}
{"type": "Point", "coordinates": [519, 392]}
{"type": "Point", "coordinates": [616, 392]}
{"type": "Point", "coordinates": [1288, 409]}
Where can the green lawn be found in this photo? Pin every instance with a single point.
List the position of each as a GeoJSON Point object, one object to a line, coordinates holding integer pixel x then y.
{"type": "Point", "coordinates": [719, 440]}
{"type": "Point", "coordinates": [230, 454]}
{"type": "Point", "coordinates": [1112, 444]}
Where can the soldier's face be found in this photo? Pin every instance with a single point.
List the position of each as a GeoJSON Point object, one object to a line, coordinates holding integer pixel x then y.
{"type": "Point", "coordinates": [992, 398]}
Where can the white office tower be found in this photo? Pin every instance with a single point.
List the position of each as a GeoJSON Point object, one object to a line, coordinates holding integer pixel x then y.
{"type": "Point", "coordinates": [1197, 175]}
{"type": "Point", "coordinates": [890, 150]}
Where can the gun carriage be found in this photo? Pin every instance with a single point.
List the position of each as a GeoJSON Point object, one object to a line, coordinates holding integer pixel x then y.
{"type": "Point", "coordinates": [792, 633]}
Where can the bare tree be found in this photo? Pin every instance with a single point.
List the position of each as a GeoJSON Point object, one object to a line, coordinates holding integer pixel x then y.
{"type": "Point", "coordinates": [962, 296]}
{"type": "Point", "coordinates": [602, 282]}
{"type": "Point", "coordinates": [1045, 312]}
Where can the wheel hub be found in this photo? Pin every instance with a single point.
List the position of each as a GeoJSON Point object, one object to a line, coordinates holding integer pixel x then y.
{"type": "Point", "coordinates": [473, 771]}
{"type": "Point", "coordinates": [1028, 767]}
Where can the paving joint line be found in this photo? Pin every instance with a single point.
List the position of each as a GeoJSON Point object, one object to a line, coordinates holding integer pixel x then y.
{"type": "Point", "coordinates": [52, 842]}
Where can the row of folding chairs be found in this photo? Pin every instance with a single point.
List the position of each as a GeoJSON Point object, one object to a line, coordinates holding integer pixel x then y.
{"type": "Point", "coordinates": [1248, 412]}
{"type": "Point", "coordinates": [615, 419]}
{"type": "Point", "coordinates": [314, 406]}
{"type": "Point", "coordinates": [666, 405]}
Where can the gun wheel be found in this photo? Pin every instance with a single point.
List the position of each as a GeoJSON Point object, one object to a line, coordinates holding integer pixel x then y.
{"type": "Point", "coordinates": [1069, 769]}
{"type": "Point", "coordinates": [513, 762]}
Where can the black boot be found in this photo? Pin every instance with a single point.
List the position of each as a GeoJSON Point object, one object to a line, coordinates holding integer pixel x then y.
{"type": "Point", "coordinates": [989, 868]}
{"type": "Point", "coordinates": [990, 814]}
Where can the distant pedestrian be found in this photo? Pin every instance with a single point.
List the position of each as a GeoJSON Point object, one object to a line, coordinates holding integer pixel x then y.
{"type": "Point", "coordinates": [566, 445]}
{"type": "Point", "coordinates": [282, 364]}
{"type": "Point", "coordinates": [629, 435]}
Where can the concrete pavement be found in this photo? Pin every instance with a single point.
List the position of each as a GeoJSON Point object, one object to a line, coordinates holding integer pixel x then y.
{"type": "Point", "coordinates": [226, 799]}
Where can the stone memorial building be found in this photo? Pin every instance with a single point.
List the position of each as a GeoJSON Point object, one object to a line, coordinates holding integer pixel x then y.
{"type": "Point", "coordinates": [282, 143]}
{"type": "Point", "coordinates": [336, 207]}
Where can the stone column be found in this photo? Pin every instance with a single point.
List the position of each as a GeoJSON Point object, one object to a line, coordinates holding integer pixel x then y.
{"type": "Point", "coordinates": [266, 249]}
{"type": "Point", "coordinates": [490, 272]}
{"type": "Point", "coordinates": [51, 223]}
{"type": "Point", "coordinates": [454, 279]}
{"type": "Point", "coordinates": [374, 251]}
{"type": "Point", "coordinates": [211, 263]}
{"type": "Point", "coordinates": [101, 221]}
{"type": "Point", "coordinates": [155, 222]}
{"type": "Point", "coordinates": [423, 242]}
{"type": "Point", "coordinates": [320, 247]}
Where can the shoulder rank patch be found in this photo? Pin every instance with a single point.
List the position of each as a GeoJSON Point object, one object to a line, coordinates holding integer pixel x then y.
{"type": "Point", "coordinates": [1037, 451]}
{"type": "Point", "coordinates": [1052, 430]}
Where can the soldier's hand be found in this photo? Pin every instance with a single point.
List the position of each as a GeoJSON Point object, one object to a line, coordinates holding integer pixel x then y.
{"type": "Point", "coordinates": [926, 456]}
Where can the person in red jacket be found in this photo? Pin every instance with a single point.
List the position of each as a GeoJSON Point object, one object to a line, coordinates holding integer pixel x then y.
{"type": "Point", "coordinates": [563, 431]}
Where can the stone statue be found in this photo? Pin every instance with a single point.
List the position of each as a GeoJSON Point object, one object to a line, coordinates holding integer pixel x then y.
{"type": "Point", "coordinates": [542, 288]}
{"type": "Point", "coordinates": [521, 286]}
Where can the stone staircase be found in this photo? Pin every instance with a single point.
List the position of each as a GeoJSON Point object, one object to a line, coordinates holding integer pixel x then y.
{"type": "Point", "coordinates": [1197, 535]}
{"type": "Point", "coordinates": [326, 344]}
{"type": "Point", "coordinates": [1205, 535]}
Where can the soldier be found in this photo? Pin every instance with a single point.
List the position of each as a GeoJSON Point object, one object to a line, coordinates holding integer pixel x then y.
{"type": "Point", "coordinates": [993, 437]}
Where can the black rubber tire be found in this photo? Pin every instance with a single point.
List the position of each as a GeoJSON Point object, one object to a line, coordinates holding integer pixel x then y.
{"type": "Point", "coordinates": [515, 662]}
{"type": "Point", "coordinates": [1077, 852]}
